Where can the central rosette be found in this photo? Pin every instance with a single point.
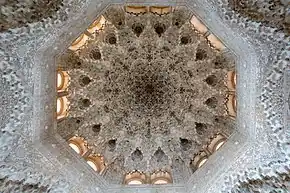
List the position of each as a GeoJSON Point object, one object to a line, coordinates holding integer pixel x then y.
{"type": "Point", "coordinates": [151, 89]}
{"type": "Point", "coordinates": [142, 88]}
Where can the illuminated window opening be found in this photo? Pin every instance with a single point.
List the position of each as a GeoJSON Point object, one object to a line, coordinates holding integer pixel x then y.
{"type": "Point", "coordinates": [136, 9]}
{"type": "Point", "coordinates": [97, 25]}
{"type": "Point", "coordinates": [59, 80]}
{"type": "Point", "coordinates": [75, 148]}
{"type": "Point", "coordinates": [202, 162]}
{"type": "Point", "coordinates": [161, 182]}
{"type": "Point", "coordinates": [93, 165]}
{"type": "Point", "coordinates": [215, 42]}
{"type": "Point", "coordinates": [231, 80]}
{"type": "Point", "coordinates": [59, 105]}
{"type": "Point", "coordinates": [135, 182]}
{"type": "Point", "coordinates": [62, 81]}
{"type": "Point", "coordinates": [78, 144]}
{"type": "Point", "coordinates": [231, 105]}
{"type": "Point", "coordinates": [216, 143]}
{"type": "Point", "coordinates": [198, 25]}
{"type": "Point", "coordinates": [161, 177]}
{"type": "Point", "coordinates": [135, 178]}
{"type": "Point", "coordinates": [199, 160]}
{"type": "Point", "coordinates": [160, 10]}
{"type": "Point", "coordinates": [62, 106]}
{"type": "Point", "coordinates": [79, 42]}
{"type": "Point", "coordinates": [96, 162]}
{"type": "Point", "coordinates": [219, 145]}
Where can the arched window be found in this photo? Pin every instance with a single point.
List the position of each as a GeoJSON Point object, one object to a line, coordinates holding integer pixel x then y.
{"type": "Point", "coordinates": [96, 162]}
{"type": "Point", "coordinates": [215, 42]}
{"type": "Point", "coordinates": [136, 9]}
{"type": "Point", "coordinates": [161, 182]}
{"type": "Point", "coordinates": [78, 144]}
{"type": "Point", "coordinates": [231, 80]}
{"type": "Point", "coordinates": [75, 148]}
{"type": "Point", "coordinates": [160, 10]}
{"type": "Point", "coordinates": [135, 178]}
{"type": "Point", "coordinates": [199, 160]}
{"type": "Point", "coordinates": [135, 182]}
{"type": "Point", "coordinates": [62, 81]}
{"type": "Point", "coordinates": [231, 105]}
{"type": "Point", "coordinates": [198, 25]}
{"type": "Point", "coordinates": [62, 106]}
{"type": "Point", "coordinates": [98, 24]}
{"type": "Point", "coordinates": [93, 165]}
{"type": "Point", "coordinates": [202, 162]}
{"type": "Point", "coordinates": [216, 143]}
{"type": "Point", "coordinates": [161, 177]}
{"type": "Point", "coordinates": [79, 42]}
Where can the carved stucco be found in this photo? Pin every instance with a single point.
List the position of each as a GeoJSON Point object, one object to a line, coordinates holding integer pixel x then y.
{"type": "Point", "coordinates": [31, 154]}
{"type": "Point", "coordinates": [157, 100]}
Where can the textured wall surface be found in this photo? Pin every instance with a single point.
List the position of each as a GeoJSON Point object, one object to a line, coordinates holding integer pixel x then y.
{"type": "Point", "coordinates": [34, 158]}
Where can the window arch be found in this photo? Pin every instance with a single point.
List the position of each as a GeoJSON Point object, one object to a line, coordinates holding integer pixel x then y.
{"type": "Point", "coordinates": [161, 177]}
{"type": "Point", "coordinates": [215, 42]}
{"type": "Point", "coordinates": [62, 106]}
{"type": "Point", "coordinates": [219, 144]}
{"type": "Point", "coordinates": [62, 81]}
{"type": "Point", "coordinates": [135, 178]}
{"type": "Point", "coordinates": [79, 42]}
{"type": "Point", "coordinates": [231, 80]}
{"type": "Point", "coordinates": [199, 160]}
{"type": "Point", "coordinates": [75, 147]}
{"type": "Point", "coordinates": [231, 105]}
{"type": "Point", "coordinates": [98, 24]}
{"type": "Point", "coordinates": [202, 161]}
{"type": "Point", "coordinates": [78, 144]}
{"type": "Point", "coordinates": [216, 143]}
{"type": "Point", "coordinates": [198, 25]}
{"type": "Point", "coordinates": [160, 10]}
{"type": "Point", "coordinates": [136, 9]}
{"type": "Point", "coordinates": [96, 162]}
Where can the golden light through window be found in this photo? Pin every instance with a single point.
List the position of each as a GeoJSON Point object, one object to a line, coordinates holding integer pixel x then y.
{"type": "Point", "coordinates": [97, 25]}
{"type": "Point", "coordinates": [75, 148]}
{"type": "Point", "coordinates": [62, 81]}
{"type": "Point", "coordinates": [215, 42]}
{"type": "Point", "coordinates": [136, 9]}
{"type": "Point", "coordinates": [96, 162]}
{"type": "Point", "coordinates": [231, 80]}
{"type": "Point", "coordinates": [135, 178]}
{"type": "Point", "coordinates": [161, 182]}
{"type": "Point", "coordinates": [198, 25]}
{"type": "Point", "coordinates": [219, 145]}
{"type": "Point", "coordinates": [59, 80]}
{"type": "Point", "coordinates": [79, 42]}
{"type": "Point", "coordinates": [231, 105]}
{"type": "Point", "coordinates": [161, 177]}
{"type": "Point", "coordinates": [202, 162]}
{"type": "Point", "coordinates": [78, 144]}
{"type": "Point", "coordinates": [62, 105]}
{"type": "Point", "coordinates": [160, 10]}
{"type": "Point", "coordinates": [135, 182]}
{"type": "Point", "coordinates": [59, 105]}
{"type": "Point", "coordinates": [93, 165]}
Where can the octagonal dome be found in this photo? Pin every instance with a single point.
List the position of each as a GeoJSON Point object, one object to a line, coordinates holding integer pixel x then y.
{"type": "Point", "coordinates": [60, 125]}
{"type": "Point", "coordinates": [149, 89]}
